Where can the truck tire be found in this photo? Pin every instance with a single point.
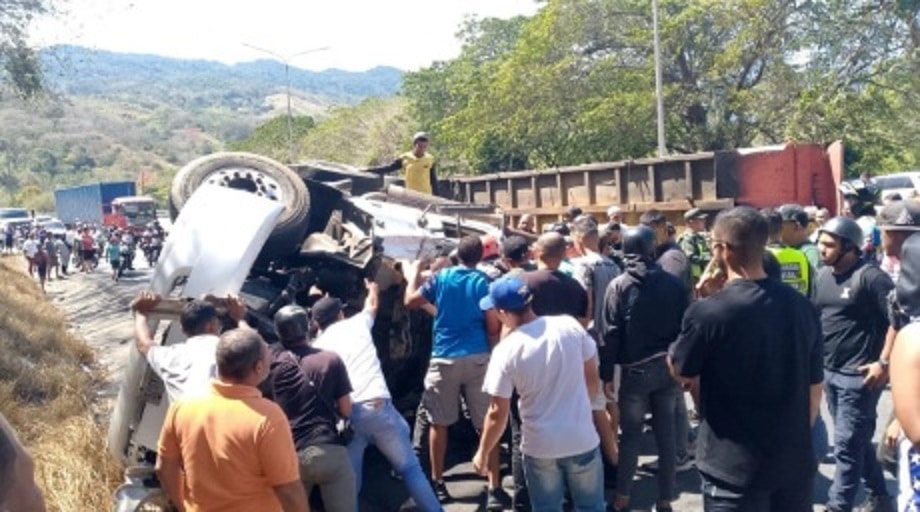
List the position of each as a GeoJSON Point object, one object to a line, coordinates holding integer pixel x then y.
{"type": "Point", "coordinates": [256, 174]}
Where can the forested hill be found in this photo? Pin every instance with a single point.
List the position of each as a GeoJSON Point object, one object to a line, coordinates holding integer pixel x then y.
{"type": "Point", "coordinates": [79, 71]}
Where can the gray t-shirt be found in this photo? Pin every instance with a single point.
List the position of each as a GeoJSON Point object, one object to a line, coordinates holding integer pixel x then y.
{"type": "Point", "coordinates": [594, 272]}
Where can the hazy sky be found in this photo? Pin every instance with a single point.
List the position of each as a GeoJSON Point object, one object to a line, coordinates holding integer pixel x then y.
{"type": "Point", "coordinates": [408, 34]}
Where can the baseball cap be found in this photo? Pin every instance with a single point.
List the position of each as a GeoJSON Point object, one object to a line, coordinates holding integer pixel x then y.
{"type": "Point", "coordinates": [900, 216]}
{"type": "Point", "coordinates": [614, 210]}
{"type": "Point", "coordinates": [695, 213]}
{"type": "Point", "coordinates": [793, 213]}
{"type": "Point", "coordinates": [420, 136]}
{"type": "Point", "coordinates": [326, 310]}
{"type": "Point", "coordinates": [908, 287]}
{"type": "Point", "coordinates": [510, 293]}
{"type": "Point", "coordinates": [515, 248]}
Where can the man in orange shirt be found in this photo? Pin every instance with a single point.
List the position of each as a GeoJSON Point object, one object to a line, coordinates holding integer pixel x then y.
{"type": "Point", "coordinates": [231, 451]}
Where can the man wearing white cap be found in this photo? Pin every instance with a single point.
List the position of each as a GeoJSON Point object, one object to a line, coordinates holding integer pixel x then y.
{"type": "Point", "coordinates": [418, 166]}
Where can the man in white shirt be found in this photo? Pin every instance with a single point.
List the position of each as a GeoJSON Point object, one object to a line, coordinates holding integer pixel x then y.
{"type": "Point", "coordinates": [30, 249]}
{"type": "Point", "coordinates": [373, 417]}
{"type": "Point", "coordinates": [552, 363]}
{"type": "Point", "coordinates": [185, 368]}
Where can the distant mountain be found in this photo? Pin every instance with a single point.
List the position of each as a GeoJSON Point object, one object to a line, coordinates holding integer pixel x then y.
{"type": "Point", "coordinates": [78, 71]}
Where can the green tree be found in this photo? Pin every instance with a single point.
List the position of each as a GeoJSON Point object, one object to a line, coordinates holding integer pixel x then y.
{"type": "Point", "coordinates": [271, 137]}
{"type": "Point", "coordinates": [21, 69]}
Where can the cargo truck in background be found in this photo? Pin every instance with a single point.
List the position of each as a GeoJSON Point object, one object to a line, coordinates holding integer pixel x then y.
{"type": "Point", "coordinates": [807, 174]}
{"type": "Point", "coordinates": [113, 204]}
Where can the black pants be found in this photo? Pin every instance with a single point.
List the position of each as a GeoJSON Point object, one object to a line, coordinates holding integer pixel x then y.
{"type": "Point", "coordinates": [721, 497]}
{"type": "Point", "coordinates": [521, 499]}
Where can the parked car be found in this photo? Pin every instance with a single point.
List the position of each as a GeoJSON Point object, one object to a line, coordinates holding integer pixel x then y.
{"type": "Point", "coordinates": [907, 184]}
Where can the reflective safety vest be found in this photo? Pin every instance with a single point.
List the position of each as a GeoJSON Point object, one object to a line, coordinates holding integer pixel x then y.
{"type": "Point", "coordinates": [417, 171]}
{"type": "Point", "coordinates": [794, 267]}
{"type": "Point", "coordinates": [695, 244]}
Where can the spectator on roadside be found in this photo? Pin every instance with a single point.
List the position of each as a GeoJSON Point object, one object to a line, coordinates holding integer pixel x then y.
{"type": "Point", "coordinates": [373, 417]}
{"type": "Point", "coordinates": [231, 449]}
{"type": "Point", "coordinates": [552, 363]}
{"type": "Point", "coordinates": [852, 297]}
{"type": "Point", "coordinates": [29, 249]}
{"type": "Point", "coordinates": [795, 269]}
{"type": "Point", "coordinates": [18, 490]}
{"type": "Point", "coordinates": [554, 292]}
{"type": "Point", "coordinates": [53, 261]}
{"type": "Point", "coordinates": [88, 247]}
{"type": "Point", "coordinates": [896, 222]}
{"type": "Point", "coordinates": [753, 350]}
{"type": "Point", "coordinates": [41, 261]}
{"type": "Point", "coordinates": [491, 257]}
{"type": "Point", "coordinates": [463, 335]}
{"type": "Point", "coordinates": [594, 272]}
{"type": "Point", "coordinates": [694, 243]}
{"type": "Point", "coordinates": [113, 256]}
{"type": "Point", "coordinates": [640, 317]}
{"type": "Point", "coordinates": [615, 215]}
{"type": "Point", "coordinates": [527, 223]}
{"type": "Point", "coordinates": [63, 253]}
{"type": "Point", "coordinates": [185, 368]}
{"type": "Point", "coordinates": [516, 255]}
{"type": "Point", "coordinates": [8, 239]}
{"type": "Point", "coordinates": [312, 388]}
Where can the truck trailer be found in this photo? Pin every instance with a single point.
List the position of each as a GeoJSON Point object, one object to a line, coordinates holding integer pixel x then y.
{"type": "Point", "coordinates": [111, 204]}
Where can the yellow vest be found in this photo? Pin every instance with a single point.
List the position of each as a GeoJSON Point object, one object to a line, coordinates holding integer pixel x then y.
{"type": "Point", "coordinates": [417, 171]}
{"type": "Point", "coordinates": [794, 267]}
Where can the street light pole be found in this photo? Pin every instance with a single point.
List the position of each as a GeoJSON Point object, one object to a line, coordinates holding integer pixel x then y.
{"type": "Point", "coordinates": [659, 95]}
{"type": "Point", "coordinates": [286, 60]}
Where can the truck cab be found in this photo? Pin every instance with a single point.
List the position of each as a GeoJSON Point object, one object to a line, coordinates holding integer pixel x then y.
{"type": "Point", "coordinates": [133, 213]}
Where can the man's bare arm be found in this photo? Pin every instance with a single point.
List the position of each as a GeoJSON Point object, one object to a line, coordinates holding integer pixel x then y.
{"type": "Point", "coordinates": [905, 381]}
{"type": "Point", "coordinates": [292, 496]}
{"type": "Point", "coordinates": [141, 305]}
{"type": "Point", "coordinates": [493, 327]}
{"type": "Point", "coordinates": [591, 377]}
{"type": "Point", "coordinates": [414, 298]}
{"type": "Point", "coordinates": [343, 405]}
{"type": "Point", "coordinates": [169, 471]}
{"type": "Point", "coordinates": [492, 430]}
{"type": "Point", "coordinates": [372, 302]}
{"type": "Point", "coordinates": [814, 401]}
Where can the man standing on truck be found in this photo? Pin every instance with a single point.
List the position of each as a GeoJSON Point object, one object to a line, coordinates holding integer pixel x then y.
{"type": "Point", "coordinates": [418, 166]}
{"type": "Point", "coordinates": [694, 244]}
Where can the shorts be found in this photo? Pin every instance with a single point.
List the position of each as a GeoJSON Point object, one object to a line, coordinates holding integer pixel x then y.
{"type": "Point", "coordinates": [9, 242]}
{"type": "Point", "coordinates": [89, 254]}
{"type": "Point", "coordinates": [42, 270]}
{"type": "Point", "coordinates": [445, 380]}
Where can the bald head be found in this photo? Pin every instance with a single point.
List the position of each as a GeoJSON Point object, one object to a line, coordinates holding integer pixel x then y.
{"type": "Point", "coordinates": [238, 353]}
{"type": "Point", "coordinates": [550, 249]}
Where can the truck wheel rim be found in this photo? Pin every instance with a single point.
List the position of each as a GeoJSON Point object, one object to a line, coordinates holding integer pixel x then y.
{"type": "Point", "coordinates": [247, 180]}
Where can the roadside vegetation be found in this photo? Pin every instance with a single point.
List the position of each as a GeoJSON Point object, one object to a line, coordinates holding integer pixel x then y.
{"type": "Point", "coordinates": [47, 381]}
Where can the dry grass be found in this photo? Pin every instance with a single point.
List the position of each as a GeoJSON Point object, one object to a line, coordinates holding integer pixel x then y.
{"type": "Point", "coordinates": [46, 388]}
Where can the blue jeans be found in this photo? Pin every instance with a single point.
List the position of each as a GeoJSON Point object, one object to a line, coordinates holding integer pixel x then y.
{"type": "Point", "coordinates": [379, 423]}
{"type": "Point", "coordinates": [853, 409]}
{"type": "Point", "coordinates": [582, 475]}
{"type": "Point", "coordinates": [643, 388]}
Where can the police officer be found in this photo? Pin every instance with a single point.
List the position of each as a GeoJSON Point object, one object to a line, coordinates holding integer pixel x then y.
{"type": "Point", "coordinates": [418, 166]}
{"type": "Point", "coordinates": [694, 244]}
{"type": "Point", "coordinates": [796, 271]}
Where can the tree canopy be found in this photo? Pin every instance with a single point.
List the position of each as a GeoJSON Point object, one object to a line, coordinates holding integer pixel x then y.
{"type": "Point", "coordinates": [575, 82]}
{"type": "Point", "coordinates": [19, 64]}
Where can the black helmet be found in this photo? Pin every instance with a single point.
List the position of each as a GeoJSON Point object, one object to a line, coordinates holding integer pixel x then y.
{"type": "Point", "coordinates": [639, 241]}
{"type": "Point", "coordinates": [292, 323]}
{"type": "Point", "coordinates": [845, 229]}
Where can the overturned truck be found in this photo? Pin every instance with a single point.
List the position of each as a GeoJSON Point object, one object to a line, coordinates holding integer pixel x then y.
{"type": "Point", "coordinates": [277, 235]}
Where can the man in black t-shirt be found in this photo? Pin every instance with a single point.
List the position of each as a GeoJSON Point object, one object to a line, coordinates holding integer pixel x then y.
{"type": "Point", "coordinates": [312, 387]}
{"type": "Point", "coordinates": [852, 296]}
{"type": "Point", "coordinates": [754, 350]}
{"type": "Point", "coordinates": [555, 293]}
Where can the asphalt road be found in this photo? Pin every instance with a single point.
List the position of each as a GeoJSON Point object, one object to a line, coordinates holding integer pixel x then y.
{"type": "Point", "coordinates": [383, 493]}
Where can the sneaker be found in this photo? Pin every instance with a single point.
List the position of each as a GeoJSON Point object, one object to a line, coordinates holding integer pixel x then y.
{"type": "Point", "coordinates": [877, 504]}
{"type": "Point", "coordinates": [440, 490]}
{"type": "Point", "coordinates": [682, 464]}
{"type": "Point", "coordinates": [497, 499]}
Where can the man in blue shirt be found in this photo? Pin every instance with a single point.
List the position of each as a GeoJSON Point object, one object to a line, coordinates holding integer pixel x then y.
{"type": "Point", "coordinates": [463, 335]}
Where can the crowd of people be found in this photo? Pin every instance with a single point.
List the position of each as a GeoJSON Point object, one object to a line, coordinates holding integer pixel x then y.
{"type": "Point", "coordinates": [54, 255]}
{"type": "Point", "coordinates": [724, 341]}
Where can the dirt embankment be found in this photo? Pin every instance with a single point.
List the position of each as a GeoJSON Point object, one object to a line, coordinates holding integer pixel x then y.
{"type": "Point", "coordinates": [53, 384]}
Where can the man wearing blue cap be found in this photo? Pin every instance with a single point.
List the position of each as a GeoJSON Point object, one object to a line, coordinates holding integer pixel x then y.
{"type": "Point", "coordinates": [552, 363]}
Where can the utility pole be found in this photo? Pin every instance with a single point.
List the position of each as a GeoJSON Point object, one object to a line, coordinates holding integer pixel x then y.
{"type": "Point", "coordinates": [659, 94]}
{"type": "Point", "coordinates": [286, 60]}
